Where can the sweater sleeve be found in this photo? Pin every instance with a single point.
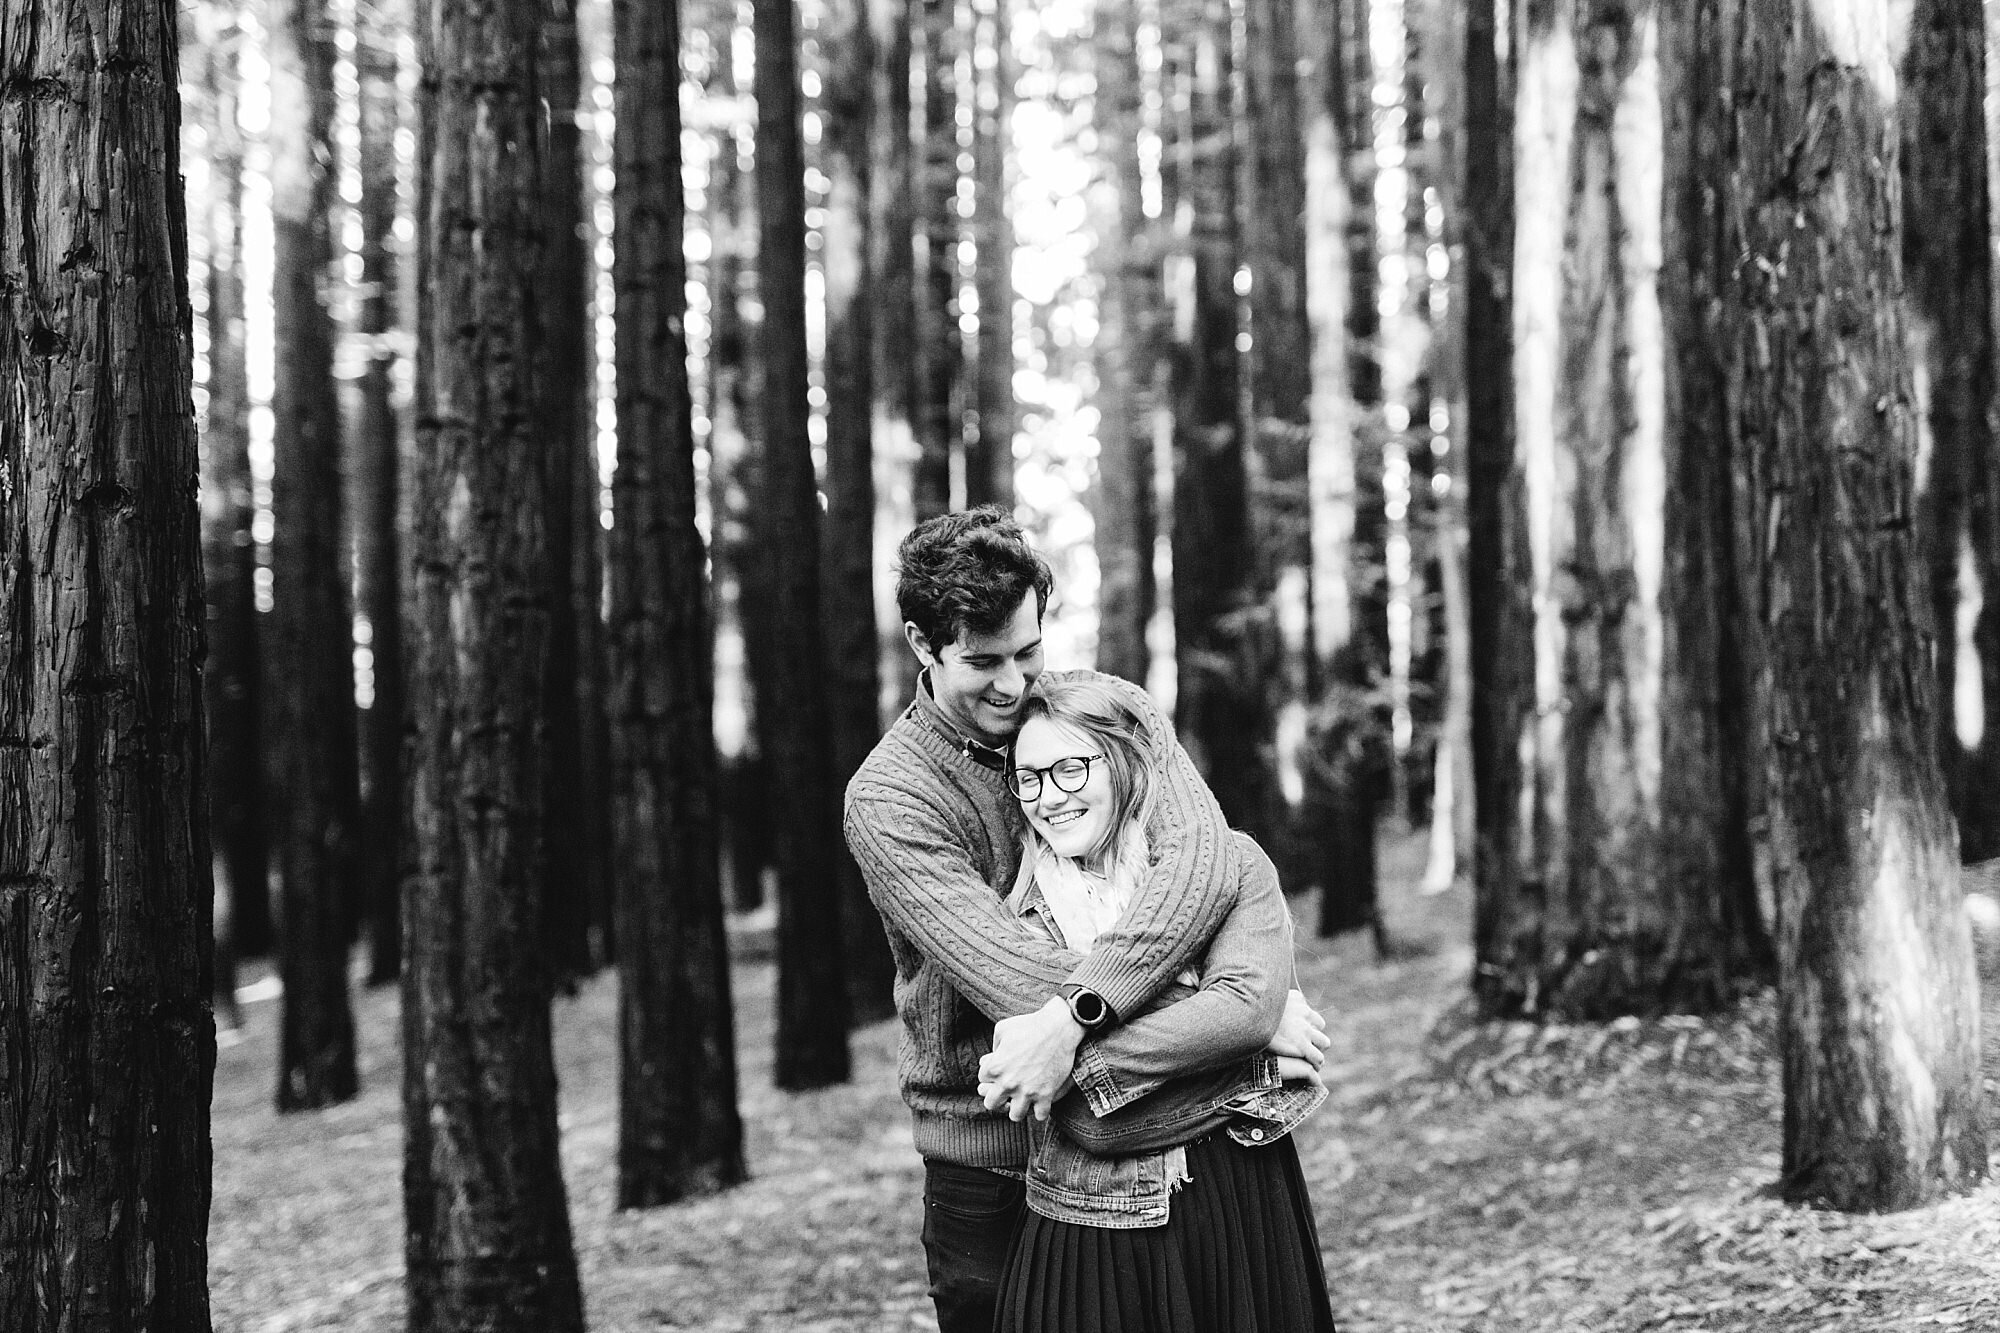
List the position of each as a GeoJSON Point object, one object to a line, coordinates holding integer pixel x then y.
{"type": "Point", "coordinates": [1235, 1013]}
{"type": "Point", "coordinates": [1188, 888]}
{"type": "Point", "coordinates": [926, 886]}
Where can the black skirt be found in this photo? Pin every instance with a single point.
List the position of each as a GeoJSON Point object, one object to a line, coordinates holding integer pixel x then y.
{"type": "Point", "coordinates": [1239, 1254]}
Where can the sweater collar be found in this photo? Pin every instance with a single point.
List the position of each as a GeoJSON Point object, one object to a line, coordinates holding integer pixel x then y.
{"type": "Point", "coordinates": [932, 719]}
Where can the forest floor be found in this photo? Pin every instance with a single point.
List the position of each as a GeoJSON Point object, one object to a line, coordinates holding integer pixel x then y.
{"type": "Point", "coordinates": [1467, 1177]}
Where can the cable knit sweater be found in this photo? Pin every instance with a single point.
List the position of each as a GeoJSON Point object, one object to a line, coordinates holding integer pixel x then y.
{"type": "Point", "coordinates": [937, 837]}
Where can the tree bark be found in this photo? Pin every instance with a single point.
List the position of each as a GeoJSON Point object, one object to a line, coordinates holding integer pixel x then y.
{"type": "Point", "coordinates": [378, 536]}
{"type": "Point", "coordinates": [1948, 266]}
{"type": "Point", "coordinates": [679, 1133]}
{"type": "Point", "coordinates": [488, 1236]}
{"type": "Point", "coordinates": [989, 449]}
{"type": "Point", "coordinates": [892, 249]}
{"type": "Point", "coordinates": [310, 682]}
{"type": "Point", "coordinates": [572, 859]}
{"type": "Point", "coordinates": [1128, 351]}
{"type": "Point", "coordinates": [937, 367]}
{"type": "Point", "coordinates": [106, 1028]}
{"type": "Point", "coordinates": [848, 582]}
{"type": "Point", "coordinates": [1791, 194]}
{"type": "Point", "coordinates": [794, 732]}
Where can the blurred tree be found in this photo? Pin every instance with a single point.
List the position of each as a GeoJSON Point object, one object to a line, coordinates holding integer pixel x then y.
{"type": "Point", "coordinates": [892, 265]}
{"type": "Point", "coordinates": [1619, 889]}
{"type": "Point", "coordinates": [231, 682]}
{"type": "Point", "coordinates": [106, 1031]}
{"type": "Point", "coordinates": [487, 1242]}
{"type": "Point", "coordinates": [1127, 345]}
{"type": "Point", "coordinates": [572, 856]}
{"type": "Point", "coordinates": [378, 552]}
{"type": "Point", "coordinates": [1799, 388]}
{"type": "Point", "coordinates": [308, 659]}
{"type": "Point", "coordinates": [679, 1132]}
{"type": "Point", "coordinates": [937, 364]}
{"type": "Point", "coordinates": [788, 659]}
{"type": "Point", "coordinates": [1948, 266]}
{"type": "Point", "coordinates": [989, 433]}
{"type": "Point", "coordinates": [847, 582]}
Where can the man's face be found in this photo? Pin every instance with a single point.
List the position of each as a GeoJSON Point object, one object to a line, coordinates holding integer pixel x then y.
{"type": "Point", "coordinates": [981, 681]}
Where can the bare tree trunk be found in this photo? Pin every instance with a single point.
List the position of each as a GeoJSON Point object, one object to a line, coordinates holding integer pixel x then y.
{"type": "Point", "coordinates": [1128, 350]}
{"type": "Point", "coordinates": [378, 545]}
{"type": "Point", "coordinates": [794, 732]}
{"type": "Point", "coordinates": [572, 860]}
{"type": "Point", "coordinates": [487, 1224]}
{"type": "Point", "coordinates": [106, 1028]}
{"type": "Point", "coordinates": [1948, 264]}
{"type": "Point", "coordinates": [848, 580]}
{"type": "Point", "coordinates": [989, 450]}
{"type": "Point", "coordinates": [1795, 160]}
{"type": "Point", "coordinates": [309, 685]}
{"type": "Point", "coordinates": [937, 366]}
{"type": "Point", "coordinates": [892, 248]}
{"type": "Point", "coordinates": [679, 1132]}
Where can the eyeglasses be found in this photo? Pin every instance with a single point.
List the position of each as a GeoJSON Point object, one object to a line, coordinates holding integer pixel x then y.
{"type": "Point", "coordinates": [1068, 774]}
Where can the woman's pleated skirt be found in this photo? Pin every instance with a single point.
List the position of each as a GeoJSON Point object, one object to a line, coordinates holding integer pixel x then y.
{"type": "Point", "coordinates": [1239, 1254]}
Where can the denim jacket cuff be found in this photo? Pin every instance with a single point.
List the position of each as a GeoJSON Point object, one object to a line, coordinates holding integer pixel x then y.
{"type": "Point", "coordinates": [1102, 1091]}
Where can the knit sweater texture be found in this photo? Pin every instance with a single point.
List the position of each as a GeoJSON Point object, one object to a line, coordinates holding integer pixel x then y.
{"type": "Point", "coordinates": [937, 837]}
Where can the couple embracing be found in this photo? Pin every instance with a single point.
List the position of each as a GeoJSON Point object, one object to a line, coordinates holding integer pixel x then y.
{"type": "Point", "coordinates": [1102, 1048]}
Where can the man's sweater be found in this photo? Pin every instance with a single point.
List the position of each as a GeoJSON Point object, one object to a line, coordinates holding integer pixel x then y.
{"type": "Point", "coordinates": [937, 837]}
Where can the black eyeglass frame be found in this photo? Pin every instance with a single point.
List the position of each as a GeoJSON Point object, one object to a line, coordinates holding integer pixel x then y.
{"type": "Point", "coordinates": [1038, 774]}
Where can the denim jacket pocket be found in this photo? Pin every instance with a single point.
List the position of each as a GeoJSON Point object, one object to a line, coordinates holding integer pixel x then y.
{"type": "Point", "coordinates": [1069, 1184]}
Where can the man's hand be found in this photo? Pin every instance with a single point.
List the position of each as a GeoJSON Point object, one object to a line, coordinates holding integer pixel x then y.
{"type": "Point", "coordinates": [1301, 1034]}
{"type": "Point", "coordinates": [1029, 1068]}
{"type": "Point", "coordinates": [1294, 1070]}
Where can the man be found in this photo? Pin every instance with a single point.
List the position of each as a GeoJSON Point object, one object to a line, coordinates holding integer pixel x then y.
{"type": "Point", "coordinates": [936, 833]}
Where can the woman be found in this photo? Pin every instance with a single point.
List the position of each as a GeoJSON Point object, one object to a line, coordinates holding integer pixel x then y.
{"type": "Point", "coordinates": [1211, 1232]}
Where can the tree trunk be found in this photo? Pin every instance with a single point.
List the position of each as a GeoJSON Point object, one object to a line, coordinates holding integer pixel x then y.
{"type": "Point", "coordinates": [378, 539]}
{"type": "Point", "coordinates": [794, 731]}
{"type": "Point", "coordinates": [1128, 352]}
{"type": "Point", "coordinates": [1948, 266]}
{"type": "Point", "coordinates": [231, 679]}
{"type": "Point", "coordinates": [989, 449]}
{"type": "Point", "coordinates": [310, 682]}
{"type": "Point", "coordinates": [488, 1237]}
{"type": "Point", "coordinates": [572, 860]}
{"type": "Point", "coordinates": [679, 1133]}
{"type": "Point", "coordinates": [892, 251]}
{"type": "Point", "coordinates": [937, 366]}
{"type": "Point", "coordinates": [848, 582]}
{"type": "Point", "coordinates": [1217, 648]}
{"type": "Point", "coordinates": [1795, 165]}
{"type": "Point", "coordinates": [1612, 899]}
{"type": "Point", "coordinates": [106, 1028]}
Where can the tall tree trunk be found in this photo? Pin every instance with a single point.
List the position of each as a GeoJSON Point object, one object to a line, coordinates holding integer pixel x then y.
{"type": "Point", "coordinates": [794, 731]}
{"type": "Point", "coordinates": [989, 451]}
{"type": "Point", "coordinates": [1128, 351]}
{"type": "Point", "coordinates": [1217, 694]}
{"type": "Point", "coordinates": [487, 1224]}
{"type": "Point", "coordinates": [572, 860]}
{"type": "Point", "coordinates": [848, 578]}
{"type": "Point", "coordinates": [1796, 134]}
{"type": "Point", "coordinates": [231, 682]}
{"type": "Point", "coordinates": [679, 1133]}
{"type": "Point", "coordinates": [937, 367]}
{"type": "Point", "coordinates": [378, 544]}
{"type": "Point", "coordinates": [309, 681]}
{"type": "Point", "coordinates": [892, 263]}
{"type": "Point", "coordinates": [1948, 265]}
{"type": "Point", "coordinates": [1612, 900]}
{"type": "Point", "coordinates": [106, 1029]}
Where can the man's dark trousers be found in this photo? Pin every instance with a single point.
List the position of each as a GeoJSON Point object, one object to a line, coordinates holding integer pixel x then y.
{"type": "Point", "coordinates": [969, 1218]}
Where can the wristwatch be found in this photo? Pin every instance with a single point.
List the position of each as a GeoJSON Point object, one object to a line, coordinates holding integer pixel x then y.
{"type": "Point", "coordinates": [1087, 1007]}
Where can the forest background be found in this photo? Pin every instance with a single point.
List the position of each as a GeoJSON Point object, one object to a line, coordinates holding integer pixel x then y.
{"type": "Point", "coordinates": [1563, 428]}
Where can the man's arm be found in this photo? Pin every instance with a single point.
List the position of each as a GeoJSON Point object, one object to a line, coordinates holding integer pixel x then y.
{"type": "Point", "coordinates": [923, 881]}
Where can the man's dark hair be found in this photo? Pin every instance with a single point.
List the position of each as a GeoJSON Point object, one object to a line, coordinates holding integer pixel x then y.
{"type": "Point", "coordinates": [966, 573]}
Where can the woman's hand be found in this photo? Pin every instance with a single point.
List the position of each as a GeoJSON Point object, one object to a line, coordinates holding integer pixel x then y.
{"type": "Point", "coordinates": [1291, 1069]}
{"type": "Point", "coordinates": [1301, 1036]}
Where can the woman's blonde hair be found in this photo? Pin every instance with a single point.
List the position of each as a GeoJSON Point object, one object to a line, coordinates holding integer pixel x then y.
{"type": "Point", "coordinates": [1099, 713]}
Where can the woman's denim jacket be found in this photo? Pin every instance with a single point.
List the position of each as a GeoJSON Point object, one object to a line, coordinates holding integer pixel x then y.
{"type": "Point", "coordinates": [1190, 1064]}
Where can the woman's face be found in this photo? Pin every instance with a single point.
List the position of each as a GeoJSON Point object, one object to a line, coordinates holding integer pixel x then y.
{"type": "Point", "coordinates": [1075, 823]}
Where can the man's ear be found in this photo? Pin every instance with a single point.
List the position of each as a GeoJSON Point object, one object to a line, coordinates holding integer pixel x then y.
{"type": "Point", "coordinates": [917, 643]}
